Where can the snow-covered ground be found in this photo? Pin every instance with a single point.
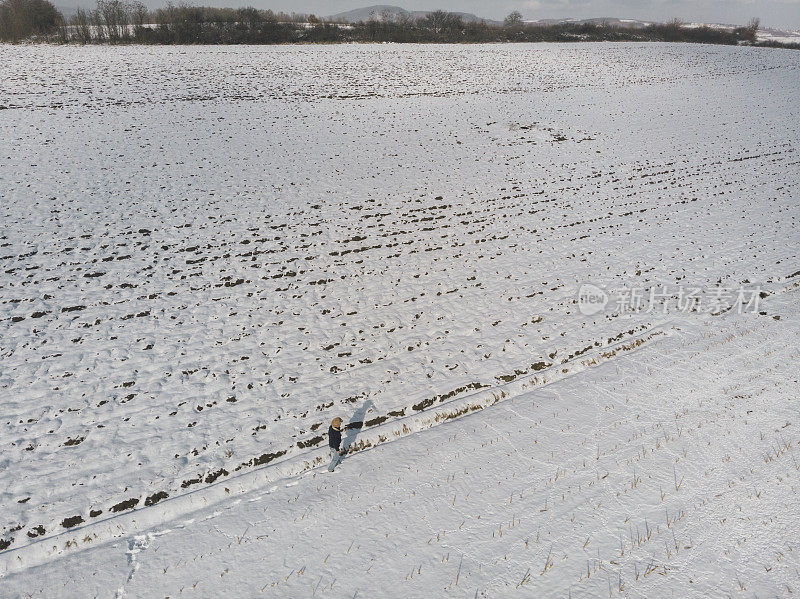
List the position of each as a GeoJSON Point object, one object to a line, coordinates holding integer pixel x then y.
{"type": "Point", "coordinates": [671, 473]}
{"type": "Point", "coordinates": [207, 253]}
{"type": "Point", "coordinates": [780, 36]}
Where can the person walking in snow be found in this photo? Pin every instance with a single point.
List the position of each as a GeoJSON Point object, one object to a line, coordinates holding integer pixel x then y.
{"type": "Point", "coordinates": [334, 442]}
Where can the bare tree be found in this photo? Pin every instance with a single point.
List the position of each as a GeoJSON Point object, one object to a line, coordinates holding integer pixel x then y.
{"type": "Point", "coordinates": [403, 19]}
{"type": "Point", "coordinates": [250, 17]}
{"type": "Point", "coordinates": [752, 28]}
{"type": "Point", "coordinates": [23, 18]}
{"type": "Point", "coordinates": [81, 29]}
{"type": "Point", "coordinates": [139, 16]}
{"type": "Point", "coordinates": [97, 26]}
{"type": "Point", "coordinates": [115, 18]}
{"type": "Point", "coordinates": [673, 30]}
{"type": "Point", "coordinates": [440, 21]}
{"type": "Point", "coordinates": [514, 19]}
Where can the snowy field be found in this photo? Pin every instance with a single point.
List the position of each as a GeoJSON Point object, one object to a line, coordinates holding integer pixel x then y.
{"type": "Point", "coordinates": [208, 253]}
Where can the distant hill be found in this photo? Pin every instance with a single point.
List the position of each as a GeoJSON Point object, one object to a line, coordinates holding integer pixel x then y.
{"type": "Point", "coordinates": [630, 23]}
{"type": "Point", "coordinates": [381, 11]}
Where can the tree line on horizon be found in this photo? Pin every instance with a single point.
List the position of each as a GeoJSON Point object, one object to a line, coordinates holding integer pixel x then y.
{"type": "Point", "coordinates": [130, 21]}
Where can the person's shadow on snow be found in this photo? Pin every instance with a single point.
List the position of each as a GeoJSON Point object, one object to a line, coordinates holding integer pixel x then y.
{"type": "Point", "coordinates": [355, 424]}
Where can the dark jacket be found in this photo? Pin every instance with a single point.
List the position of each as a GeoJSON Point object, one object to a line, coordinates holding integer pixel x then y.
{"type": "Point", "coordinates": [334, 438]}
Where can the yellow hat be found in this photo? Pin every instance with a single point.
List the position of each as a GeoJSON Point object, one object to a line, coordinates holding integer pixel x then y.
{"type": "Point", "coordinates": [336, 423]}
